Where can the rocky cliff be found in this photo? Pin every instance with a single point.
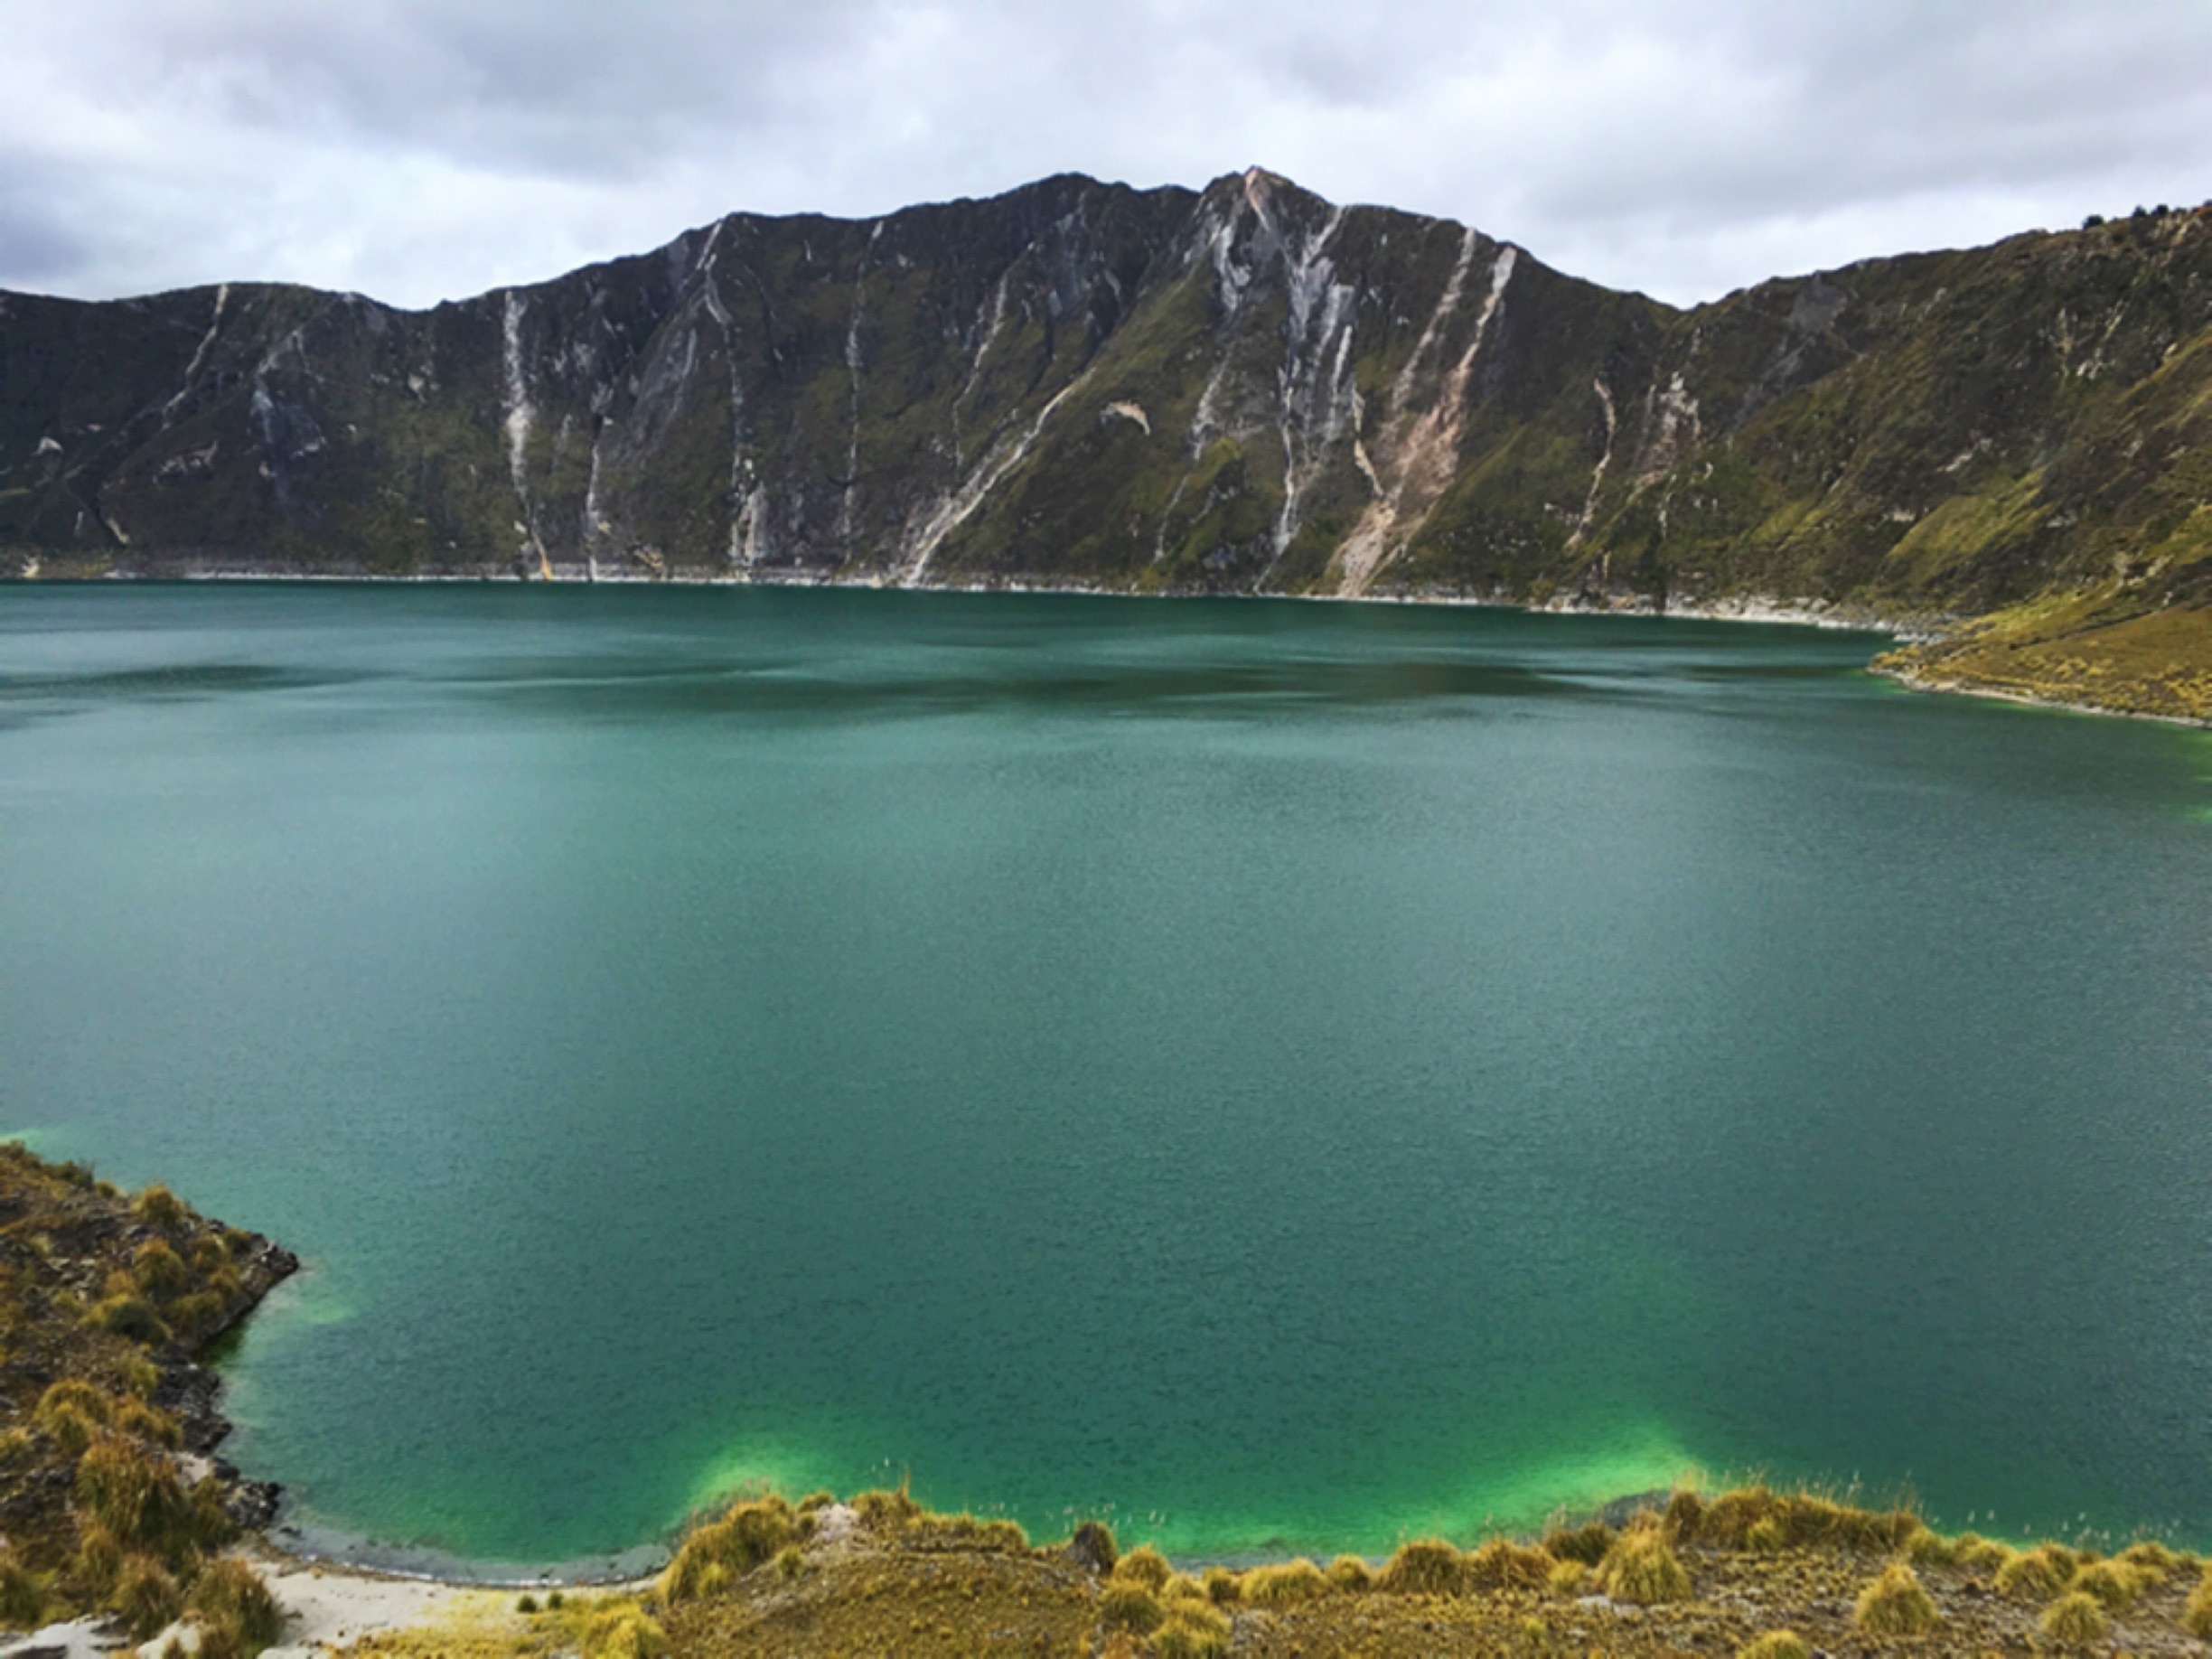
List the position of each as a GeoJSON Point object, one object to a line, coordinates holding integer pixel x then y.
{"type": "Point", "coordinates": [1241, 390]}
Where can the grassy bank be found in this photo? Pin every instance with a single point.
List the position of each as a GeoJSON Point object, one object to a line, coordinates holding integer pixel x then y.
{"type": "Point", "coordinates": [1750, 1571]}
{"type": "Point", "coordinates": [110, 1499]}
{"type": "Point", "coordinates": [2086, 651]}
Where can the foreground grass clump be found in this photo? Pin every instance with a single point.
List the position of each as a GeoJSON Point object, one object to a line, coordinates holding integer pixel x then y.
{"type": "Point", "coordinates": [1896, 1603]}
{"type": "Point", "coordinates": [746, 1535]}
{"type": "Point", "coordinates": [1587, 1545]}
{"type": "Point", "coordinates": [147, 1598]}
{"type": "Point", "coordinates": [2039, 1573]}
{"type": "Point", "coordinates": [1350, 1574]}
{"type": "Point", "coordinates": [2197, 1611]}
{"type": "Point", "coordinates": [1776, 1645]}
{"type": "Point", "coordinates": [2152, 1559]}
{"type": "Point", "coordinates": [1193, 1630]}
{"type": "Point", "coordinates": [235, 1610]}
{"type": "Point", "coordinates": [1426, 1567]}
{"type": "Point", "coordinates": [2113, 1584]}
{"type": "Point", "coordinates": [23, 1599]}
{"type": "Point", "coordinates": [624, 1631]}
{"type": "Point", "coordinates": [1145, 1566]}
{"type": "Point", "coordinates": [2075, 1620]}
{"type": "Point", "coordinates": [1972, 1550]}
{"type": "Point", "coordinates": [1641, 1568]}
{"type": "Point", "coordinates": [1279, 1586]}
{"type": "Point", "coordinates": [1756, 1517]}
{"type": "Point", "coordinates": [1501, 1564]}
{"type": "Point", "coordinates": [1127, 1604]}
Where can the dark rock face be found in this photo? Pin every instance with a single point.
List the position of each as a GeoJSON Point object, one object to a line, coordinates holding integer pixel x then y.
{"type": "Point", "coordinates": [1092, 1549]}
{"type": "Point", "coordinates": [1242, 389]}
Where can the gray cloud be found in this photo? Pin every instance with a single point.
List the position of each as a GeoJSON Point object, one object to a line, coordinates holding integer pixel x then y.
{"type": "Point", "coordinates": [417, 150]}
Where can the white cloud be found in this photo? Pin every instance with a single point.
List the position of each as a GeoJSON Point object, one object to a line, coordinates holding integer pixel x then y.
{"type": "Point", "coordinates": [415, 150]}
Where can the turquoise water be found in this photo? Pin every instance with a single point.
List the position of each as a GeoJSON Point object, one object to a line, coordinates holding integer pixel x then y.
{"type": "Point", "coordinates": [1280, 1076]}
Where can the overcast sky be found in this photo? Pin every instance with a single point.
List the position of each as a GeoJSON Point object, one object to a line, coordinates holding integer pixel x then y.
{"type": "Point", "coordinates": [425, 149]}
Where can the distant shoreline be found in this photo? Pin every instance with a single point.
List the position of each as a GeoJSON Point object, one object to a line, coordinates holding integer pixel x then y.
{"type": "Point", "coordinates": [1905, 632]}
{"type": "Point", "coordinates": [1757, 608]}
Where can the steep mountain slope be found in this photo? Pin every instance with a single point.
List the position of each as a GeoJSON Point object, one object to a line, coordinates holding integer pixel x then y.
{"type": "Point", "coordinates": [1242, 389]}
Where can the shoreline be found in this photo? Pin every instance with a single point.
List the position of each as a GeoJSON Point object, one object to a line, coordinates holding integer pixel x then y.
{"type": "Point", "coordinates": [1802, 612]}
{"type": "Point", "coordinates": [1912, 681]}
{"type": "Point", "coordinates": [331, 1550]}
{"type": "Point", "coordinates": [1904, 632]}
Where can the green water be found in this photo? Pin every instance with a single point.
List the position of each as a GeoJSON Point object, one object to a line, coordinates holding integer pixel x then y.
{"type": "Point", "coordinates": [1279, 1075]}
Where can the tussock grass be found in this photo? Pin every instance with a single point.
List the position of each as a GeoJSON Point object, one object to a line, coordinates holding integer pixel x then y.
{"type": "Point", "coordinates": [1972, 1550]}
{"type": "Point", "coordinates": [1565, 1578]}
{"type": "Point", "coordinates": [623, 1630]}
{"type": "Point", "coordinates": [71, 1413]}
{"type": "Point", "coordinates": [158, 1270]}
{"type": "Point", "coordinates": [1129, 1604]}
{"type": "Point", "coordinates": [134, 1494]}
{"type": "Point", "coordinates": [2037, 1574]}
{"type": "Point", "coordinates": [157, 1207]}
{"type": "Point", "coordinates": [1223, 1588]}
{"type": "Point", "coordinates": [1685, 1515]}
{"type": "Point", "coordinates": [128, 1314]}
{"type": "Point", "coordinates": [1192, 1630]}
{"type": "Point", "coordinates": [1756, 1517]}
{"type": "Point", "coordinates": [712, 1556]}
{"type": "Point", "coordinates": [1587, 1545]}
{"type": "Point", "coordinates": [1349, 1573]}
{"type": "Point", "coordinates": [146, 1598]}
{"type": "Point", "coordinates": [210, 1252]}
{"type": "Point", "coordinates": [1776, 1645]}
{"type": "Point", "coordinates": [2197, 1611]}
{"type": "Point", "coordinates": [1285, 1583]}
{"type": "Point", "coordinates": [209, 1524]}
{"type": "Point", "coordinates": [2076, 1620]}
{"type": "Point", "coordinates": [887, 1512]}
{"type": "Point", "coordinates": [142, 1421]}
{"type": "Point", "coordinates": [23, 1597]}
{"type": "Point", "coordinates": [234, 1608]}
{"type": "Point", "coordinates": [2115, 1584]}
{"type": "Point", "coordinates": [1425, 1567]}
{"type": "Point", "coordinates": [1501, 1564]}
{"type": "Point", "coordinates": [959, 1532]}
{"type": "Point", "coordinates": [195, 1314]}
{"type": "Point", "coordinates": [1643, 1569]}
{"type": "Point", "coordinates": [1896, 1603]}
{"type": "Point", "coordinates": [1143, 1565]}
{"type": "Point", "coordinates": [1926, 1547]}
{"type": "Point", "coordinates": [99, 1560]}
{"type": "Point", "coordinates": [2151, 1558]}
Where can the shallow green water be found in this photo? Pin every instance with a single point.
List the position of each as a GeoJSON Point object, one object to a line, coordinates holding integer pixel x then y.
{"type": "Point", "coordinates": [1277, 1074]}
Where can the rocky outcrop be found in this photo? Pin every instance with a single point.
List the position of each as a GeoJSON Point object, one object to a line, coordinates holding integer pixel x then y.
{"type": "Point", "coordinates": [1241, 390]}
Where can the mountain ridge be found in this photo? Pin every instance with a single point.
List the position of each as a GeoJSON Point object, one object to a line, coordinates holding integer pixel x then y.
{"type": "Point", "coordinates": [1243, 389]}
